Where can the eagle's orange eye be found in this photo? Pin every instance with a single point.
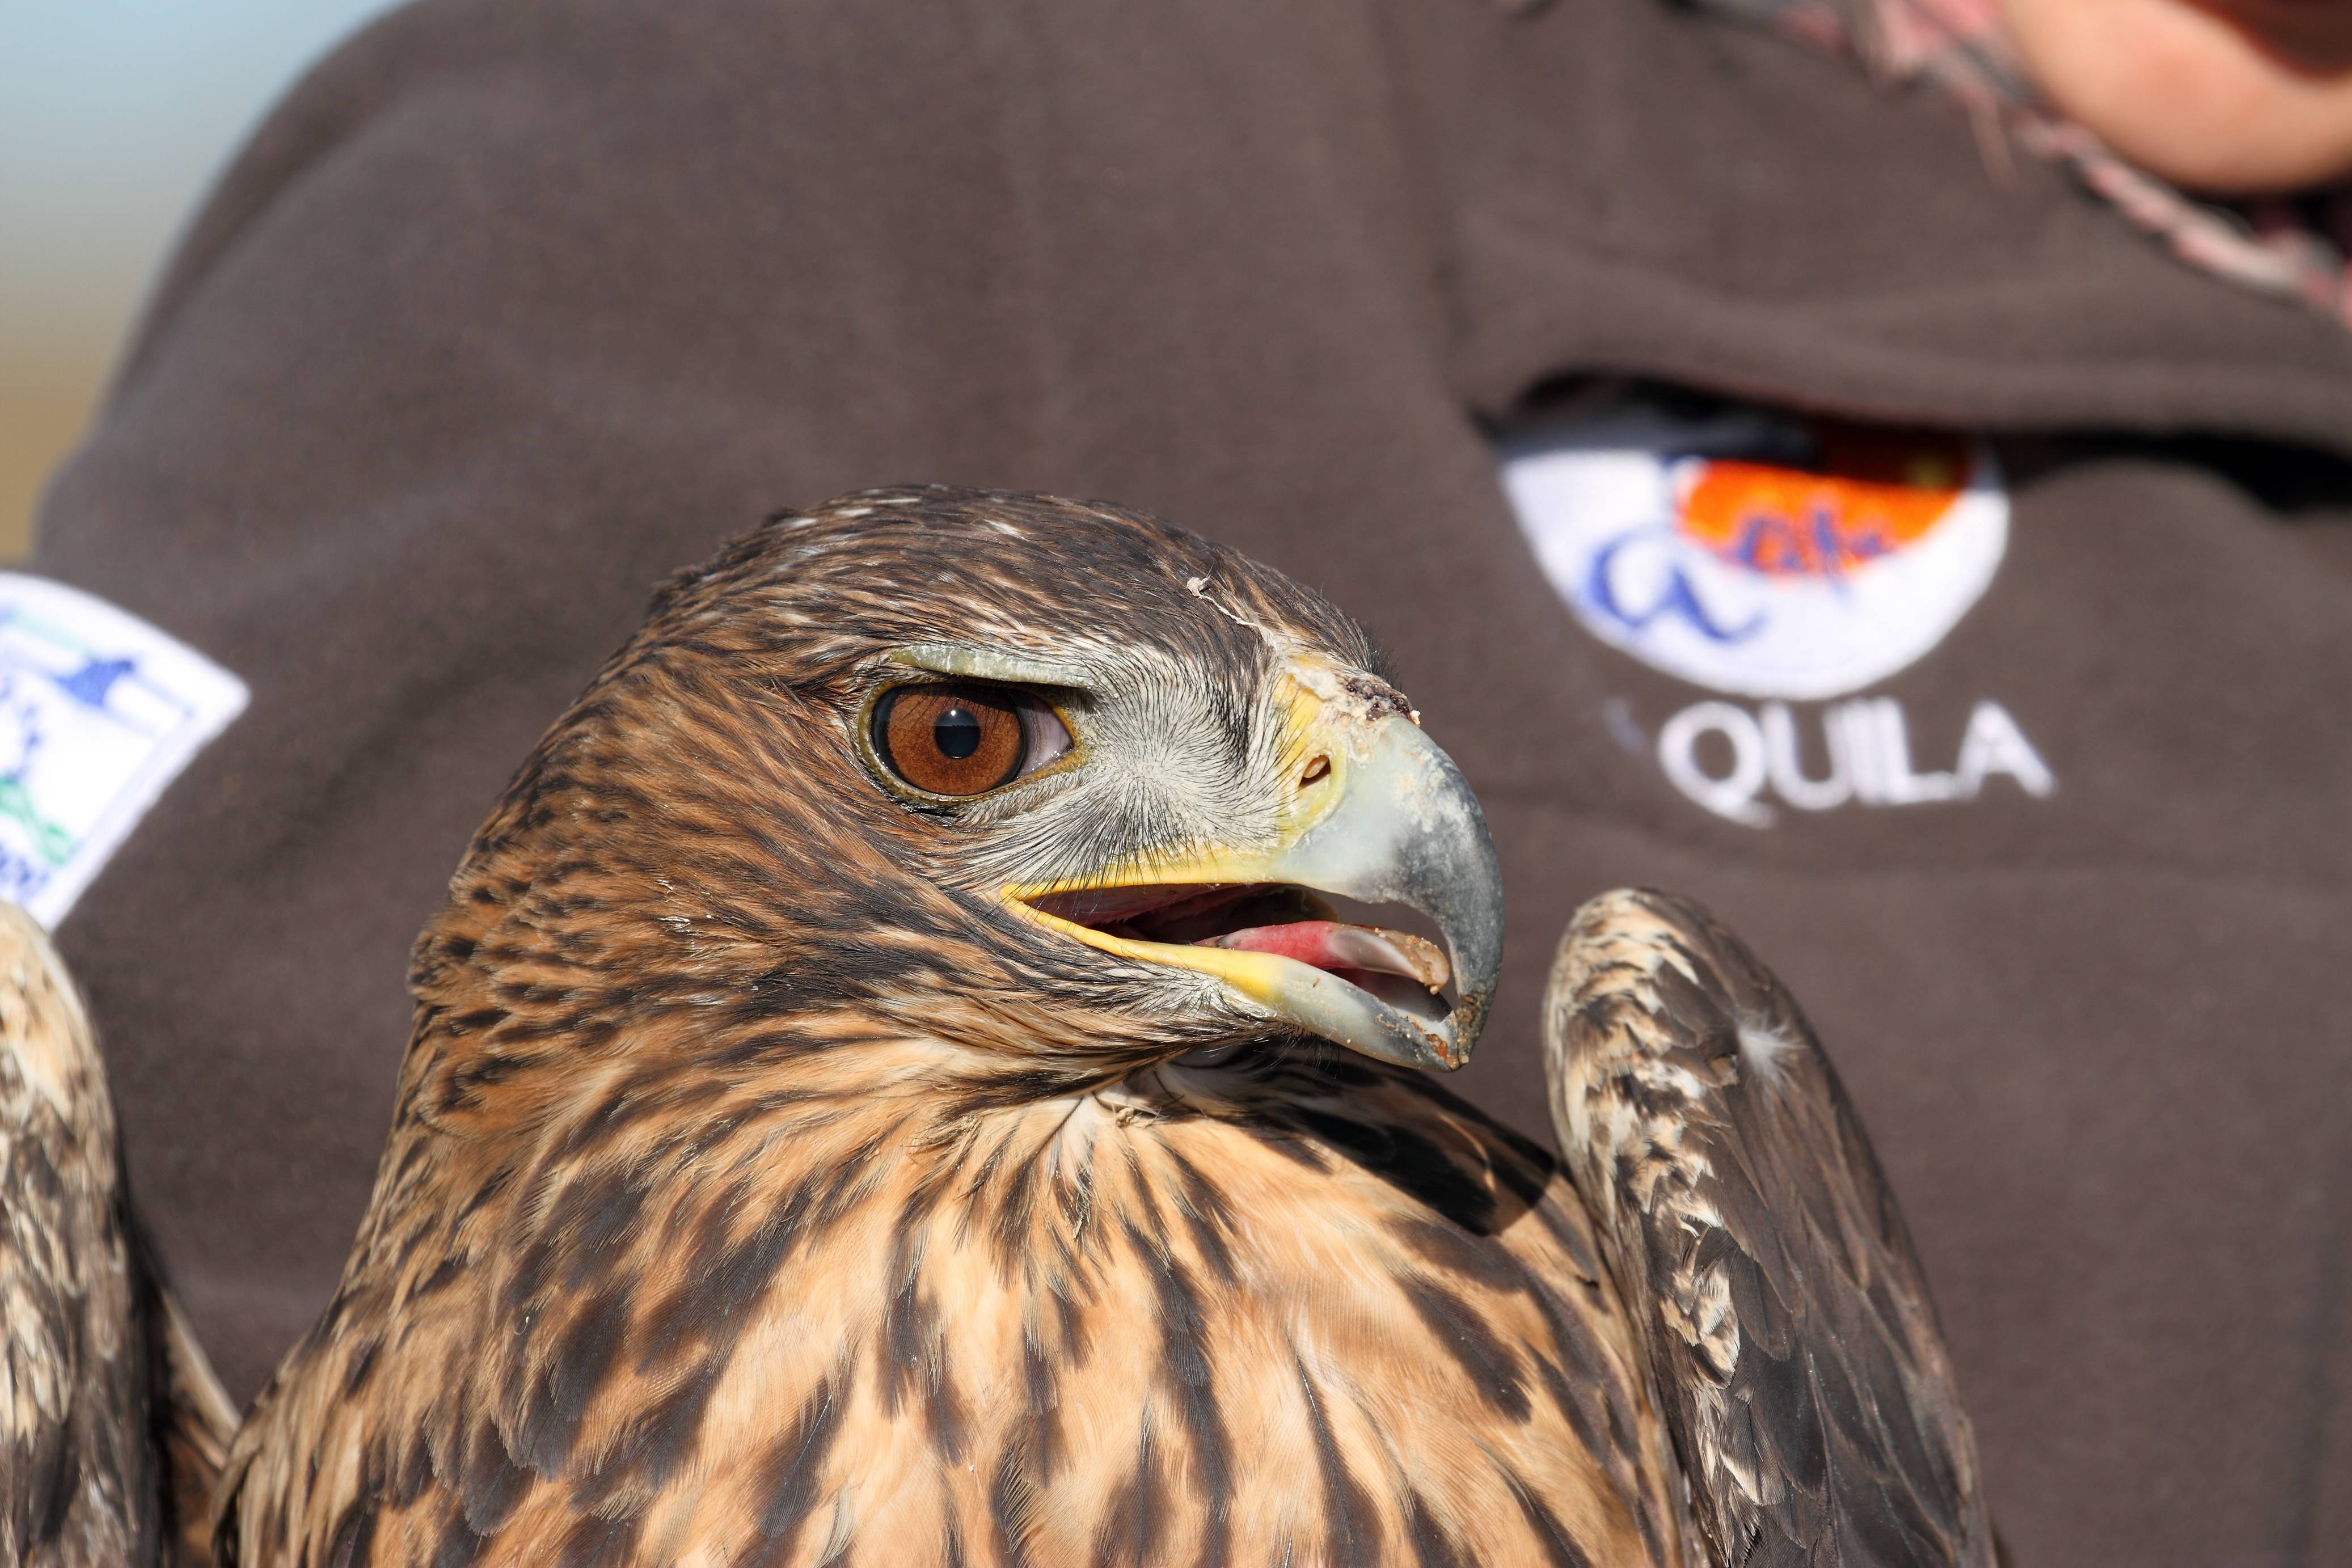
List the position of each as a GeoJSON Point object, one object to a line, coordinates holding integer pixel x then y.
{"type": "Point", "coordinates": [965, 739]}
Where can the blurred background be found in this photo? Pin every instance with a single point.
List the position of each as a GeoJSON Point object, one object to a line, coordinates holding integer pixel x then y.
{"type": "Point", "coordinates": [115, 116]}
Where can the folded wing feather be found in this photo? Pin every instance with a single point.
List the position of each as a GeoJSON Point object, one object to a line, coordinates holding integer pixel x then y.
{"type": "Point", "coordinates": [111, 1423]}
{"type": "Point", "coordinates": [1781, 1305]}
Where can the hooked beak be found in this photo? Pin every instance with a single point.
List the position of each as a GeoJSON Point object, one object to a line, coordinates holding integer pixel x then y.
{"type": "Point", "coordinates": [1378, 815]}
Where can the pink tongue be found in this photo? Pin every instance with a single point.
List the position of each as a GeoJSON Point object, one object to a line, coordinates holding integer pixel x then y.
{"type": "Point", "coordinates": [1328, 944]}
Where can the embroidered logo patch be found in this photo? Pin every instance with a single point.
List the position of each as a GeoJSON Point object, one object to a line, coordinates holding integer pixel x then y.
{"type": "Point", "coordinates": [99, 711]}
{"type": "Point", "coordinates": [1759, 556]}
{"type": "Point", "coordinates": [1765, 557]}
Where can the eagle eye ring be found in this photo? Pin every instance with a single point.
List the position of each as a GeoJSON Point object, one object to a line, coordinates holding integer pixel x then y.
{"type": "Point", "coordinates": [961, 738]}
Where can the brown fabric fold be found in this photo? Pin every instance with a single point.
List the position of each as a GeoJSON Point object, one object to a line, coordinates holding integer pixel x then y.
{"type": "Point", "coordinates": [516, 305]}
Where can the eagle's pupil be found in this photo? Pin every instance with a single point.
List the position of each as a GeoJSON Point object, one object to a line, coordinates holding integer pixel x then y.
{"type": "Point", "coordinates": [956, 732]}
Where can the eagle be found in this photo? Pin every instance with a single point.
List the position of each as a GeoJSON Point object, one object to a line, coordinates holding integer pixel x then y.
{"type": "Point", "coordinates": [935, 1060]}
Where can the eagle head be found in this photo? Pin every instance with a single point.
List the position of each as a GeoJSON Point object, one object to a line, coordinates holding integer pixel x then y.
{"type": "Point", "coordinates": [1057, 787]}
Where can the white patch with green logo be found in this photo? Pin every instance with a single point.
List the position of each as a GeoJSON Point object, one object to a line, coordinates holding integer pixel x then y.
{"type": "Point", "coordinates": [99, 711]}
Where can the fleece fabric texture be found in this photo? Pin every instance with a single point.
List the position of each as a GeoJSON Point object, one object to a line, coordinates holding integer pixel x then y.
{"type": "Point", "coordinates": [515, 306]}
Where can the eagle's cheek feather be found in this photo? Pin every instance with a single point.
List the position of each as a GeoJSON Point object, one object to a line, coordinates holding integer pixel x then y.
{"type": "Point", "coordinates": [1376, 813]}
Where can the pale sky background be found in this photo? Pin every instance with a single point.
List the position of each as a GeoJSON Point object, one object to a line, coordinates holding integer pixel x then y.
{"type": "Point", "coordinates": [115, 116]}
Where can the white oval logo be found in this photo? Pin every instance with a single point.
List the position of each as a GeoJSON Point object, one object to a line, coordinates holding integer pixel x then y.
{"type": "Point", "coordinates": [1755, 555]}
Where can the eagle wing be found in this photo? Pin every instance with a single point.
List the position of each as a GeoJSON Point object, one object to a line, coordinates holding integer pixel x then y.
{"type": "Point", "coordinates": [1782, 1307]}
{"type": "Point", "coordinates": [111, 1423]}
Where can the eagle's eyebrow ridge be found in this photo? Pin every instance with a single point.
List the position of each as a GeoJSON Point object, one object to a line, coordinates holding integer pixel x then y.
{"type": "Point", "coordinates": [975, 661]}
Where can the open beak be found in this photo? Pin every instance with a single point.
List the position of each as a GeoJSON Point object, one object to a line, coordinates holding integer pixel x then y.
{"type": "Point", "coordinates": [1378, 815]}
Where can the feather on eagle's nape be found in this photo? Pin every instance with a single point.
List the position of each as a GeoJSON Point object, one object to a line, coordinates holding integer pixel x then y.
{"type": "Point", "coordinates": [802, 1158]}
{"type": "Point", "coordinates": [1781, 1307]}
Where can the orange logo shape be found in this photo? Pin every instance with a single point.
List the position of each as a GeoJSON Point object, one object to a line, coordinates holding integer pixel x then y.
{"type": "Point", "coordinates": [1876, 493]}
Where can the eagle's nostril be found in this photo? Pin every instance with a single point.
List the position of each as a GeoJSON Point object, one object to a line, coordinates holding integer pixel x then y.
{"type": "Point", "coordinates": [1317, 771]}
